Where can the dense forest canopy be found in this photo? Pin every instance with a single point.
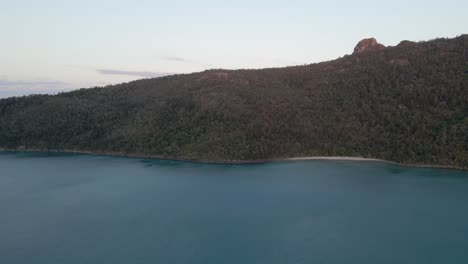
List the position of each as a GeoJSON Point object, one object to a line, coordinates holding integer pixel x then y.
{"type": "Point", "coordinates": [407, 103]}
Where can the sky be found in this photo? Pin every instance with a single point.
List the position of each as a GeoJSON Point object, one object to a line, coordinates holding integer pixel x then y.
{"type": "Point", "coordinates": [53, 46]}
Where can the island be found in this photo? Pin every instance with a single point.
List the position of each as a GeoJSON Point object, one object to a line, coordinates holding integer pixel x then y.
{"type": "Point", "coordinates": [406, 104]}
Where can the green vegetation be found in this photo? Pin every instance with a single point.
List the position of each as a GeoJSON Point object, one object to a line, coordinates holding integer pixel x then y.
{"type": "Point", "coordinates": [407, 103]}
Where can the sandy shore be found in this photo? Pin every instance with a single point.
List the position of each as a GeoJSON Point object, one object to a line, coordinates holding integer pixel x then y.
{"type": "Point", "coordinates": [234, 162]}
{"type": "Point", "coordinates": [376, 160]}
{"type": "Point", "coordinates": [338, 158]}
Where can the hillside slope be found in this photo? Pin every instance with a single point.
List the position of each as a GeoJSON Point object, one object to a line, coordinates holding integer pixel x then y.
{"type": "Point", "coordinates": [407, 103]}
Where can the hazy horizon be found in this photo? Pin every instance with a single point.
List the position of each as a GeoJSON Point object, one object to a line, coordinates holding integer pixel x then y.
{"type": "Point", "coordinates": [59, 46]}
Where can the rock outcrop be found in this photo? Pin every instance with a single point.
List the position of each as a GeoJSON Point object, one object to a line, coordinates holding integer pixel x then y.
{"type": "Point", "coordinates": [368, 44]}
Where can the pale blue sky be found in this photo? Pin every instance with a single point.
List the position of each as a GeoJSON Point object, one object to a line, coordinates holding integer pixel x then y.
{"type": "Point", "coordinates": [50, 46]}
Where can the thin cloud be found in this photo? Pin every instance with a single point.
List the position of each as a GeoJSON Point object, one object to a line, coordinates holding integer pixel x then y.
{"type": "Point", "coordinates": [146, 74]}
{"type": "Point", "coordinates": [171, 58]}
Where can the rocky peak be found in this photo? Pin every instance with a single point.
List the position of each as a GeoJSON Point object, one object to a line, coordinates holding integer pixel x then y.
{"type": "Point", "coordinates": [368, 44]}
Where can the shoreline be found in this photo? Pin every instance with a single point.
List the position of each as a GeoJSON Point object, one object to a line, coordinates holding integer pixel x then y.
{"type": "Point", "coordinates": [234, 162]}
{"type": "Point", "coordinates": [347, 158]}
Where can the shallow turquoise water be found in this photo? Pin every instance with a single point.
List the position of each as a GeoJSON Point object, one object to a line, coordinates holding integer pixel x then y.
{"type": "Point", "coordinates": [96, 209]}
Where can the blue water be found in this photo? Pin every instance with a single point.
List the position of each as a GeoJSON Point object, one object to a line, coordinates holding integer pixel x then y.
{"type": "Point", "coordinates": [95, 209]}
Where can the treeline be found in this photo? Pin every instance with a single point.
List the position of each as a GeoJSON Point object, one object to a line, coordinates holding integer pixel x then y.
{"type": "Point", "coordinates": [407, 103]}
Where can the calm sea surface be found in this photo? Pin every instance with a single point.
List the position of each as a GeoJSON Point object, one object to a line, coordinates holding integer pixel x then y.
{"type": "Point", "coordinates": [94, 209]}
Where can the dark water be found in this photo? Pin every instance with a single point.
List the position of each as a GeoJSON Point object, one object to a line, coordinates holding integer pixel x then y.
{"type": "Point", "coordinates": [94, 209]}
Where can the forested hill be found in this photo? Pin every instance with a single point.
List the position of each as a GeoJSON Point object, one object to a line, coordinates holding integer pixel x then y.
{"type": "Point", "coordinates": [407, 103]}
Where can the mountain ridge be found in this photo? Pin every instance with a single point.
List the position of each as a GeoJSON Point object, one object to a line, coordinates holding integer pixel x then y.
{"type": "Point", "coordinates": [406, 103]}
